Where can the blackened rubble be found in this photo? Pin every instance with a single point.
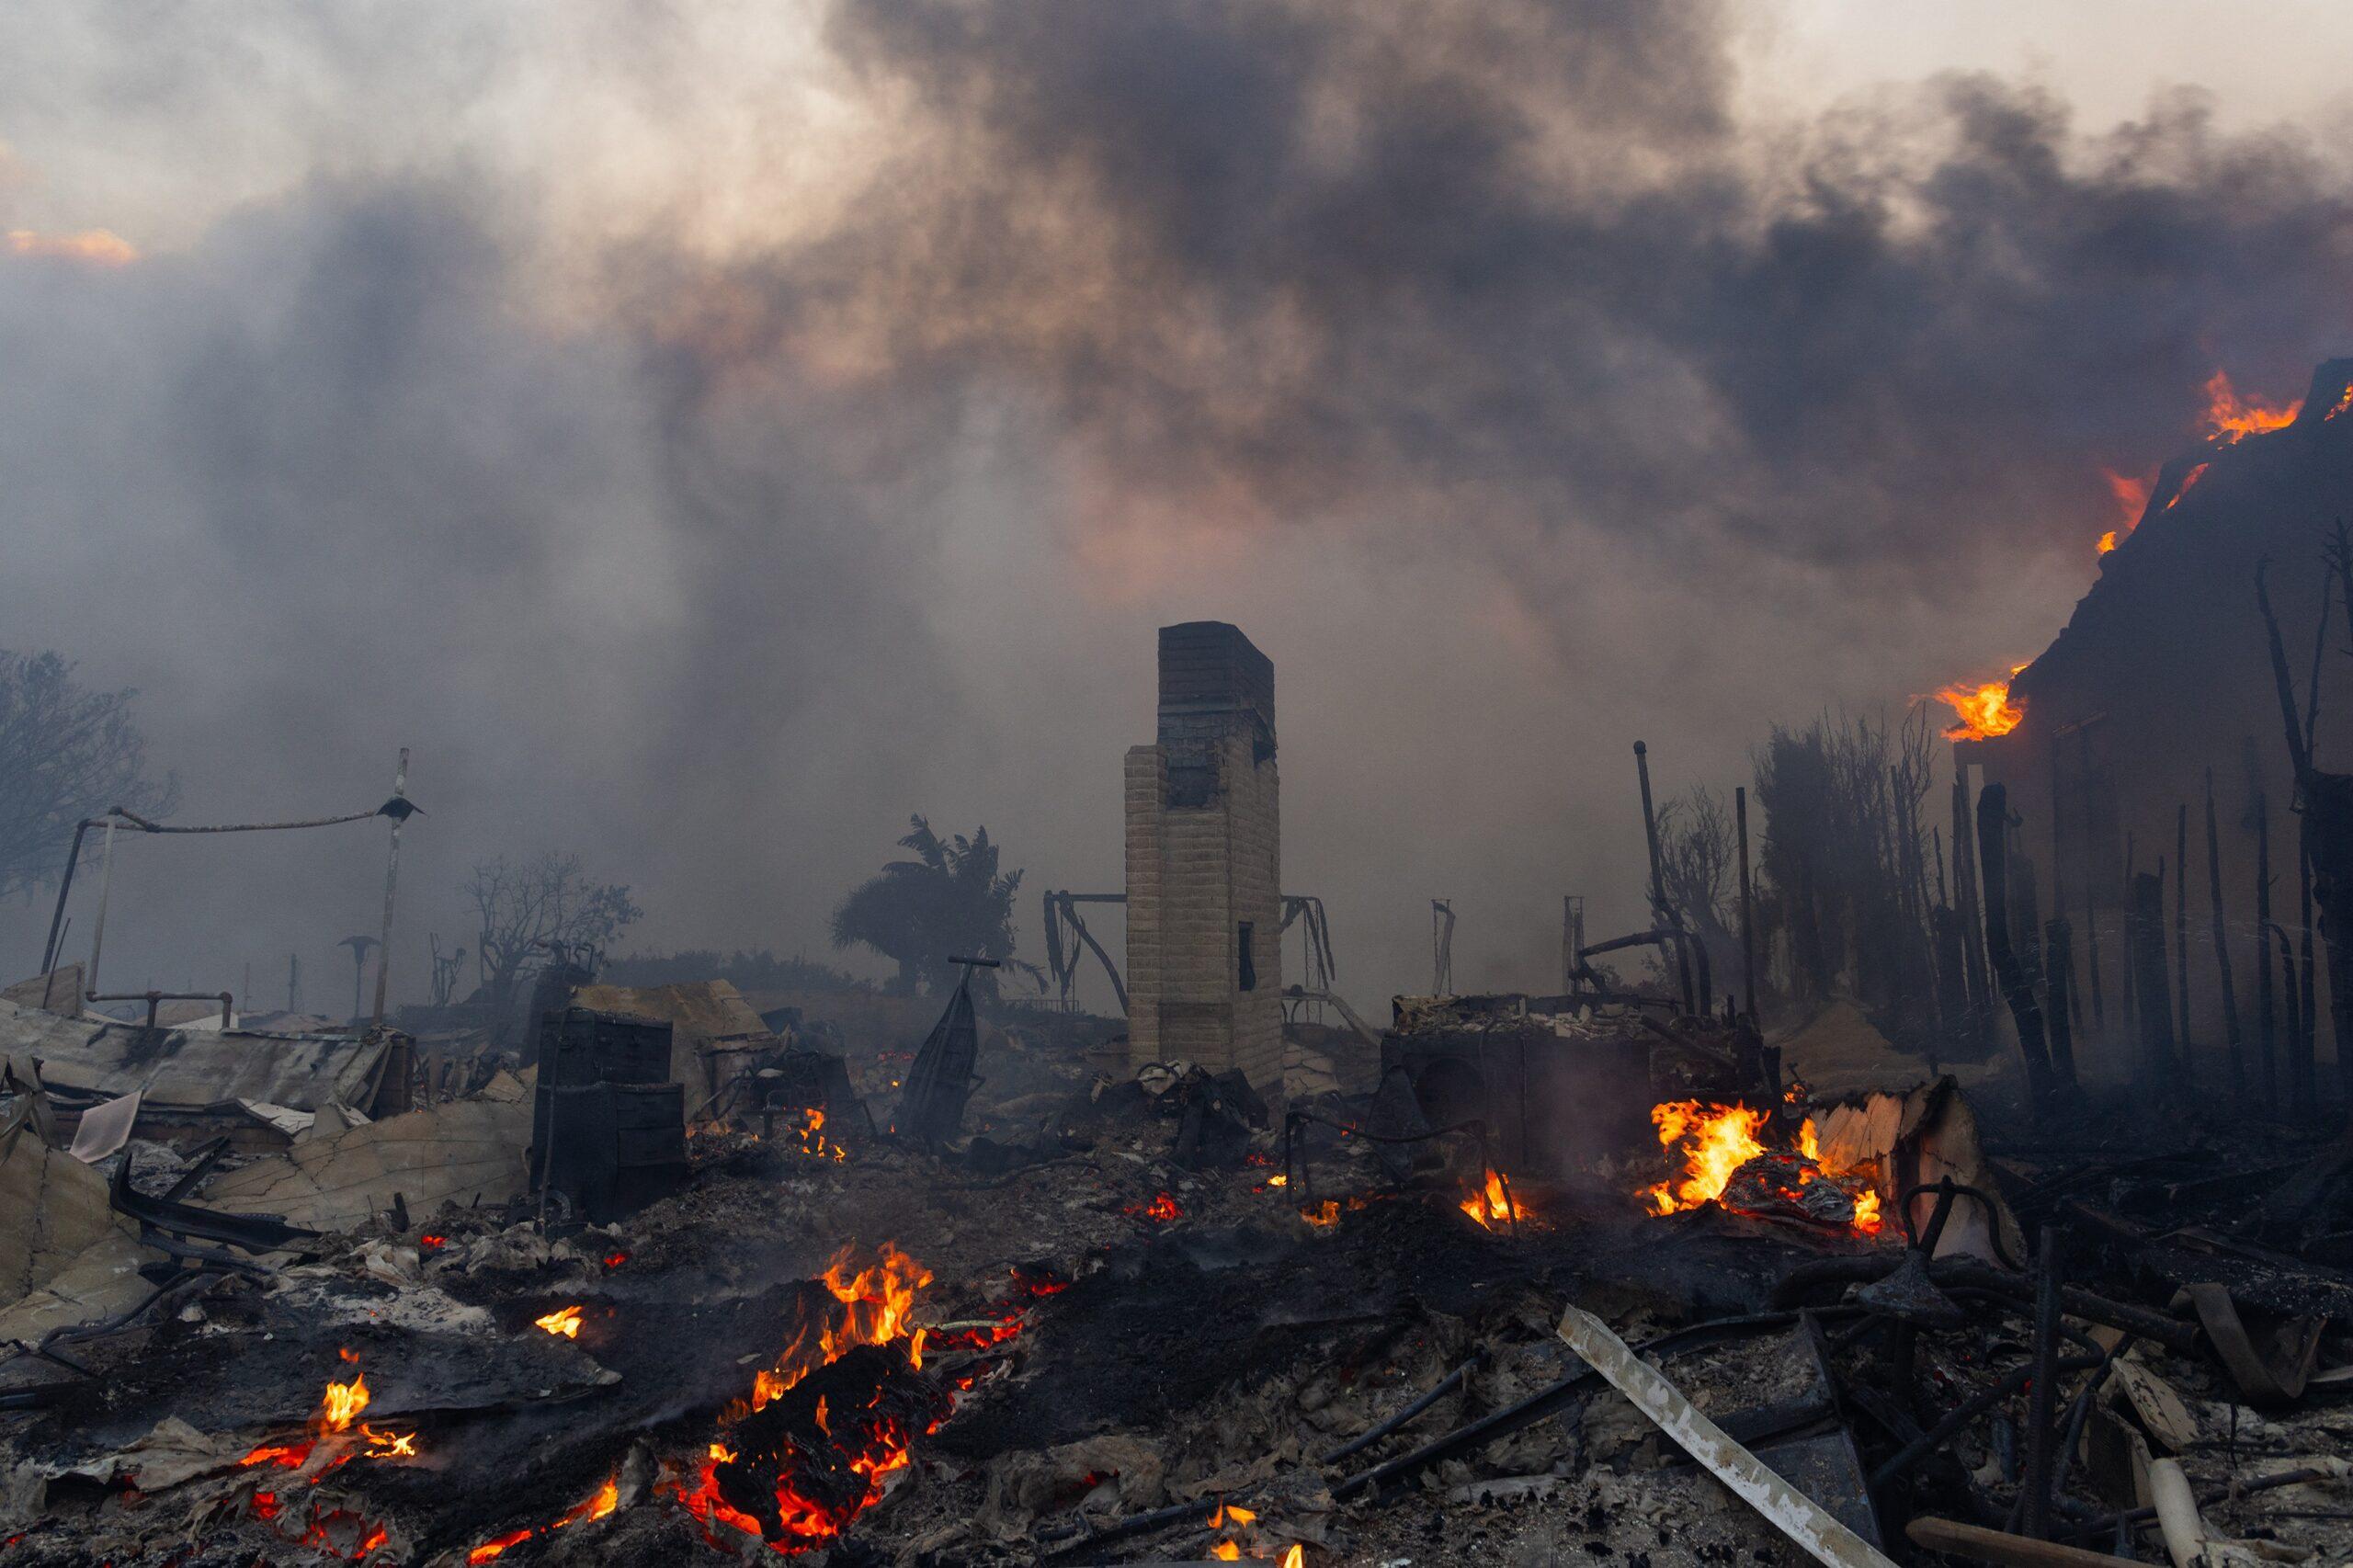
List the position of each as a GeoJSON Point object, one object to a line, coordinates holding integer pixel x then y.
{"type": "Point", "coordinates": [1124, 1340]}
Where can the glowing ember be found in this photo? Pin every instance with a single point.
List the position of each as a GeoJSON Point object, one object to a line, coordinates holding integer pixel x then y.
{"type": "Point", "coordinates": [813, 1141]}
{"type": "Point", "coordinates": [1325, 1213]}
{"type": "Point", "coordinates": [1160, 1211]}
{"type": "Point", "coordinates": [614, 1259]}
{"type": "Point", "coordinates": [1494, 1205]}
{"type": "Point", "coordinates": [2229, 416]}
{"type": "Point", "coordinates": [1985, 711]}
{"type": "Point", "coordinates": [564, 1322]}
{"type": "Point", "coordinates": [1226, 1551]}
{"type": "Point", "coordinates": [432, 1243]}
{"type": "Point", "coordinates": [607, 1498]}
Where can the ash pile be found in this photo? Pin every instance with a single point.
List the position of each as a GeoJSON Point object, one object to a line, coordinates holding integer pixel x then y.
{"type": "Point", "coordinates": [1533, 1280]}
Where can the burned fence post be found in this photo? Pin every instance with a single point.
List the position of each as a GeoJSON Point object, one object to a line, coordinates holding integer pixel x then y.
{"type": "Point", "coordinates": [2091, 900]}
{"type": "Point", "coordinates": [2305, 1081]}
{"type": "Point", "coordinates": [2145, 932]}
{"type": "Point", "coordinates": [2043, 1408]}
{"type": "Point", "coordinates": [1964, 891]}
{"type": "Point", "coordinates": [2223, 949]}
{"type": "Point", "coordinates": [2266, 1024]}
{"type": "Point", "coordinates": [1993, 853]}
{"type": "Point", "coordinates": [2059, 986]}
{"type": "Point", "coordinates": [2181, 941]}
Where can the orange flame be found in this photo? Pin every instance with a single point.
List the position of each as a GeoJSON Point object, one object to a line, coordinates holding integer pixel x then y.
{"type": "Point", "coordinates": [1494, 1206]}
{"type": "Point", "coordinates": [1984, 710]}
{"type": "Point", "coordinates": [2231, 418]}
{"type": "Point", "coordinates": [2192, 477]}
{"type": "Point", "coordinates": [564, 1322]}
{"type": "Point", "coordinates": [813, 1141]}
{"type": "Point", "coordinates": [1714, 1141]}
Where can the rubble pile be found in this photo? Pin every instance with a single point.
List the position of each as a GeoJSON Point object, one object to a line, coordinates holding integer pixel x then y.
{"type": "Point", "coordinates": [1159, 1316]}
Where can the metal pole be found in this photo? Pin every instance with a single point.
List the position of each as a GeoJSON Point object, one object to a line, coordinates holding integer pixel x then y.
{"type": "Point", "coordinates": [1747, 922]}
{"type": "Point", "coordinates": [65, 886]}
{"type": "Point", "coordinates": [98, 932]}
{"type": "Point", "coordinates": [392, 876]}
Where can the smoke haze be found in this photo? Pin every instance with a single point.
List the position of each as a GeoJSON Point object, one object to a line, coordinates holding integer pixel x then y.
{"type": "Point", "coordinates": [707, 436]}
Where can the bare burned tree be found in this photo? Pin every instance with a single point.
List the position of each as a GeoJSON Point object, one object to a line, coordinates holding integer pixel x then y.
{"type": "Point", "coordinates": [66, 753]}
{"type": "Point", "coordinates": [530, 909]}
{"type": "Point", "coordinates": [1842, 859]}
{"type": "Point", "coordinates": [1697, 866]}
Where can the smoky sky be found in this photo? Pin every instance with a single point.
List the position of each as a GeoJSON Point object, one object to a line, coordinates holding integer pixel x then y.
{"type": "Point", "coordinates": [703, 455]}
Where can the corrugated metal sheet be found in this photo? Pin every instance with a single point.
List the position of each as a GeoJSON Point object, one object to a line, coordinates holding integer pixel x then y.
{"type": "Point", "coordinates": [81, 1062]}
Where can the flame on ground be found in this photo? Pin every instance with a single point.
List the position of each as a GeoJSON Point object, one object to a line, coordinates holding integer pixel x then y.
{"type": "Point", "coordinates": [564, 1322]}
{"type": "Point", "coordinates": [813, 1141]}
{"type": "Point", "coordinates": [1984, 710]}
{"type": "Point", "coordinates": [331, 1440]}
{"type": "Point", "coordinates": [1714, 1141]}
{"type": "Point", "coordinates": [2230, 417]}
{"type": "Point", "coordinates": [1494, 1205]}
{"type": "Point", "coordinates": [607, 1498]}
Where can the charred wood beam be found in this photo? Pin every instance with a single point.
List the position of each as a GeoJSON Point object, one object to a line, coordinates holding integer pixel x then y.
{"type": "Point", "coordinates": [1660, 908]}
{"type": "Point", "coordinates": [1993, 825]}
{"type": "Point", "coordinates": [2012, 1290]}
{"type": "Point", "coordinates": [1747, 919]}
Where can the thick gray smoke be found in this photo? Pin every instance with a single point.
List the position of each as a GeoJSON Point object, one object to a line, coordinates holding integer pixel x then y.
{"type": "Point", "coordinates": [704, 450]}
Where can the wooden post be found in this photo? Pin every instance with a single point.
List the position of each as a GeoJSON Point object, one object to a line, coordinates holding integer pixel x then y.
{"type": "Point", "coordinates": [2223, 949]}
{"type": "Point", "coordinates": [1992, 855]}
{"type": "Point", "coordinates": [2266, 1024]}
{"type": "Point", "coordinates": [1747, 919]}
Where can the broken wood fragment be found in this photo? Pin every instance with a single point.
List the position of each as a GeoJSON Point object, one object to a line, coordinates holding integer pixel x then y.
{"type": "Point", "coordinates": [1982, 1545]}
